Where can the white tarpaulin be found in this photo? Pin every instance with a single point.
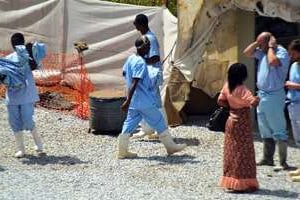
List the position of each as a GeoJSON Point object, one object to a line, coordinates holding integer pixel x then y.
{"type": "Point", "coordinates": [106, 27]}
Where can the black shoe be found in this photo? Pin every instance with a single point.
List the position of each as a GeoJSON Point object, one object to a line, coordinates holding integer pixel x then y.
{"type": "Point", "coordinates": [265, 162]}
{"type": "Point", "coordinates": [285, 166]}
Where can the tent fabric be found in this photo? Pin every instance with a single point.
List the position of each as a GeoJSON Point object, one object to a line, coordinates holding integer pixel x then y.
{"type": "Point", "coordinates": [106, 27]}
{"type": "Point", "coordinates": [198, 24]}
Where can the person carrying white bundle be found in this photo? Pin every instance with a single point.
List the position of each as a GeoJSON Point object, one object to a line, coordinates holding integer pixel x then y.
{"type": "Point", "coordinates": [21, 94]}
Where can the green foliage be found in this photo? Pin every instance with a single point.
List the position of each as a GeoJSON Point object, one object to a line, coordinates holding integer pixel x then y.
{"type": "Point", "coordinates": [172, 4]}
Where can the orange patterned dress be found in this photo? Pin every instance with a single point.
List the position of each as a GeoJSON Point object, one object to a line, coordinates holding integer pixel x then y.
{"type": "Point", "coordinates": [239, 168]}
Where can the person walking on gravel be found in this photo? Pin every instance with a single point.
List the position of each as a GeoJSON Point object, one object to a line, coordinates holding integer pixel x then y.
{"type": "Point", "coordinates": [155, 70]}
{"type": "Point", "coordinates": [20, 101]}
{"type": "Point", "coordinates": [141, 103]}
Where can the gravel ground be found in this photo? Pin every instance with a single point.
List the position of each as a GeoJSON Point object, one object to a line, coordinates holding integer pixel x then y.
{"type": "Point", "coordinates": [80, 165]}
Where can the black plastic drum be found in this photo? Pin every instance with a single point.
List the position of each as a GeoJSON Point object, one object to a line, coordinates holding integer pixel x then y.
{"type": "Point", "coordinates": [106, 116]}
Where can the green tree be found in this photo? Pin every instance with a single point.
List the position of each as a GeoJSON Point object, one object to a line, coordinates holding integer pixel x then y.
{"type": "Point", "coordinates": [172, 4]}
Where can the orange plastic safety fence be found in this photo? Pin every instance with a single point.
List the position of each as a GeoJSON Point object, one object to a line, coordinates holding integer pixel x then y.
{"type": "Point", "coordinates": [63, 84]}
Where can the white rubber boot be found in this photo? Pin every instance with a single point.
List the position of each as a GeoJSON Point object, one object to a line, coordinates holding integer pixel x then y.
{"type": "Point", "coordinates": [295, 173]}
{"type": "Point", "coordinates": [139, 135]}
{"type": "Point", "coordinates": [37, 140]}
{"type": "Point", "coordinates": [169, 143]}
{"type": "Point", "coordinates": [123, 152]}
{"type": "Point", "coordinates": [295, 178]}
{"type": "Point", "coordinates": [145, 130]}
{"type": "Point", "coordinates": [20, 145]}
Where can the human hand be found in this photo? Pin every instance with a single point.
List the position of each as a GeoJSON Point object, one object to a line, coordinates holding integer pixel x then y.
{"type": "Point", "coordinates": [255, 101]}
{"type": "Point", "coordinates": [289, 85]}
{"type": "Point", "coordinates": [272, 42]}
{"type": "Point", "coordinates": [125, 106]}
{"type": "Point", "coordinates": [263, 38]}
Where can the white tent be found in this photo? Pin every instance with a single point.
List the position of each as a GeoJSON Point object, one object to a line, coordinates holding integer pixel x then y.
{"type": "Point", "coordinates": [106, 27]}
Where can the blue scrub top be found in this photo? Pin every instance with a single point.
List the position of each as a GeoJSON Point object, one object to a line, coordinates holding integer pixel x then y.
{"type": "Point", "coordinates": [27, 94]}
{"type": "Point", "coordinates": [155, 70]}
{"type": "Point", "coordinates": [271, 78]}
{"type": "Point", "coordinates": [143, 97]}
{"type": "Point", "coordinates": [294, 95]}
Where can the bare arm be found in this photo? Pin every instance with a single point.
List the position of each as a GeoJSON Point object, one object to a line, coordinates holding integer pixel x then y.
{"type": "Point", "coordinates": [152, 60]}
{"type": "Point", "coordinates": [292, 85]}
{"type": "Point", "coordinates": [272, 59]}
{"type": "Point", "coordinates": [126, 104]}
{"type": "Point", "coordinates": [249, 51]}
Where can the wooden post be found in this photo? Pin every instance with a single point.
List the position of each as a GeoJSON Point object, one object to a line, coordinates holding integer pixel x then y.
{"type": "Point", "coordinates": [165, 3]}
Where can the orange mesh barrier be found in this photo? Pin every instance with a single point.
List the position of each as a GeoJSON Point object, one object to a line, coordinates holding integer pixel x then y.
{"type": "Point", "coordinates": [63, 84]}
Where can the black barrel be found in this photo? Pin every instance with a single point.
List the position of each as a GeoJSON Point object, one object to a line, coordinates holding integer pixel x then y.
{"type": "Point", "coordinates": [106, 116]}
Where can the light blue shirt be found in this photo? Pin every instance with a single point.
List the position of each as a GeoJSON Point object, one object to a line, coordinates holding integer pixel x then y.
{"type": "Point", "coordinates": [271, 78]}
{"type": "Point", "coordinates": [14, 76]}
{"type": "Point", "coordinates": [27, 94]}
{"type": "Point", "coordinates": [155, 70]}
{"type": "Point", "coordinates": [154, 47]}
{"type": "Point", "coordinates": [143, 97]}
{"type": "Point", "coordinates": [294, 95]}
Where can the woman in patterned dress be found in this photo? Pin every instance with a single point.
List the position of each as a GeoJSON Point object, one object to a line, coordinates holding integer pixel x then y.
{"type": "Point", "coordinates": [239, 168]}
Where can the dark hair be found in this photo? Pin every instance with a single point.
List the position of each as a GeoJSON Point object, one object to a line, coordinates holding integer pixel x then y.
{"type": "Point", "coordinates": [295, 45]}
{"type": "Point", "coordinates": [237, 74]}
{"type": "Point", "coordinates": [141, 41]}
{"type": "Point", "coordinates": [141, 19]}
{"type": "Point", "coordinates": [141, 45]}
{"type": "Point", "coordinates": [17, 39]}
{"type": "Point", "coordinates": [31, 61]}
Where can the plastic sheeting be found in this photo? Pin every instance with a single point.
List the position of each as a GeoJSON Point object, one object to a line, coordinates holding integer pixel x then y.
{"type": "Point", "coordinates": [106, 27]}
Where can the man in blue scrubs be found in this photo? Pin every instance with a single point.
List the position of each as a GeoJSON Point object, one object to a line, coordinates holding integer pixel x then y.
{"type": "Point", "coordinates": [273, 64]}
{"type": "Point", "coordinates": [154, 68]}
{"type": "Point", "coordinates": [141, 103]}
{"type": "Point", "coordinates": [20, 102]}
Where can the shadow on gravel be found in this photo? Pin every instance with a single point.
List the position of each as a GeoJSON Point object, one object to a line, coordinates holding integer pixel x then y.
{"type": "Point", "coordinates": [50, 160]}
{"type": "Point", "coordinates": [172, 159]}
{"type": "Point", "coordinates": [188, 141]}
{"type": "Point", "coordinates": [2, 169]}
{"type": "Point", "coordinates": [277, 193]}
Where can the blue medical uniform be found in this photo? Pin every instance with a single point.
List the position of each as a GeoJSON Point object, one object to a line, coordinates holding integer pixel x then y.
{"type": "Point", "coordinates": [155, 70]}
{"type": "Point", "coordinates": [270, 84]}
{"type": "Point", "coordinates": [294, 98]}
{"type": "Point", "coordinates": [143, 103]}
{"type": "Point", "coordinates": [20, 102]}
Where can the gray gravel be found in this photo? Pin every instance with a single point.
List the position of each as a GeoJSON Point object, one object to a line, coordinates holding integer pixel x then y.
{"type": "Point", "coordinates": [80, 165]}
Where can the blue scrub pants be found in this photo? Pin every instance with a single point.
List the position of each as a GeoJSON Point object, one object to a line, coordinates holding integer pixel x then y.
{"type": "Point", "coordinates": [270, 115]}
{"type": "Point", "coordinates": [20, 117]}
{"type": "Point", "coordinates": [152, 116]}
{"type": "Point", "coordinates": [294, 113]}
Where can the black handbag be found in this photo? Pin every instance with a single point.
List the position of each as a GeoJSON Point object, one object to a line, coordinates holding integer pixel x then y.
{"type": "Point", "coordinates": [217, 119]}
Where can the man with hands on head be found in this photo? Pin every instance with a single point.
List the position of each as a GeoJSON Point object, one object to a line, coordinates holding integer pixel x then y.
{"type": "Point", "coordinates": [273, 64]}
